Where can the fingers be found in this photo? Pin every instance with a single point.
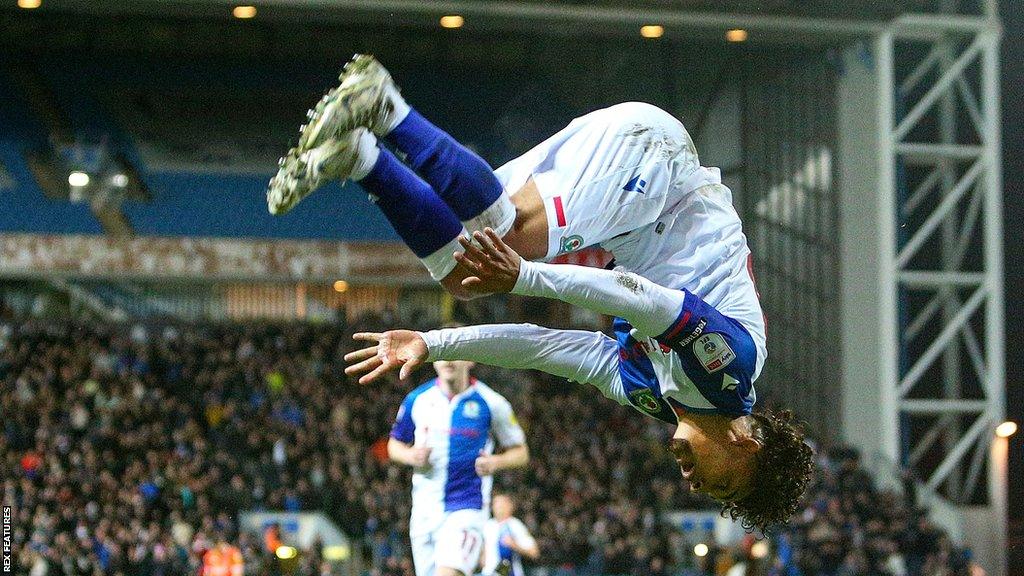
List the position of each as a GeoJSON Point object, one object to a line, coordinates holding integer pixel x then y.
{"type": "Point", "coordinates": [361, 354]}
{"type": "Point", "coordinates": [487, 244]}
{"type": "Point", "coordinates": [472, 265]}
{"type": "Point", "coordinates": [368, 336]}
{"type": "Point", "coordinates": [472, 251]}
{"type": "Point", "coordinates": [364, 366]}
{"type": "Point", "coordinates": [376, 373]}
{"type": "Point", "coordinates": [473, 283]}
{"type": "Point", "coordinates": [407, 368]}
{"type": "Point", "coordinates": [499, 244]}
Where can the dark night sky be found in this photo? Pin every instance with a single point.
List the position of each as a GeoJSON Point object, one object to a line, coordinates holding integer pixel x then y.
{"type": "Point", "coordinates": [1013, 173]}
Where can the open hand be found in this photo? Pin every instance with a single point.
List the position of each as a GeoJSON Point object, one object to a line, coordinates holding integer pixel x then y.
{"type": "Point", "coordinates": [394, 349]}
{"type": "Point", "coordinates": [494, 266]}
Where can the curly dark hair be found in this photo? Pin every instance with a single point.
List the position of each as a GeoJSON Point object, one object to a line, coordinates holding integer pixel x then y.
{"type": "Point", "coordinates": [783, 469]}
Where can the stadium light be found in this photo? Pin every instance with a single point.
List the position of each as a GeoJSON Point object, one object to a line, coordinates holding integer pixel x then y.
{"type": "Point", "coordinates": [1006, 429]}
{"type": "Point", "coordinates": [244, 12]}
{"type": "Point", "coordinates": [336, 553]}
{"type": "Point", "coordinates": [286, 552]}
{"type": "Point", "coordinates": [652, 31]}
{"type": "Point", "coordinates": [78, 179]}
{"type": "Point", "coordinates": [452, 21]}
{"type": "Point", "coordinates": [29, 4]}
{"type": "Point", "coordinates": [736, 35]}
{"type": "Point", "coordinates": [119, 180]}
{"type": "Point", "coordinates": [340, 286]}
{"type": "Point", "coordinates": [701, 550]}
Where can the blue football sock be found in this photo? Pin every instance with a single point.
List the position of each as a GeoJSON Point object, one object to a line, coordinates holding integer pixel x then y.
{"type": "Point", "coordinates": [423, 221]}
{"type": "Point", "coordinates": [462, 179]}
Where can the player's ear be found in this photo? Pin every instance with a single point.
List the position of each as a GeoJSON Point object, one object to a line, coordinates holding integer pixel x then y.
{"type": "Point", "coordinates": [748, 444]}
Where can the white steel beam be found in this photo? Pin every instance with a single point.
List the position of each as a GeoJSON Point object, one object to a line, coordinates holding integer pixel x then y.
{"type": "Point", "coordinates": [939, 88]}
{"type": "Point", "coordinates": [936, 347]}
{"type": "Point", "coordinates": [934, 406]}
{"type": "Point", "coordinates": [938, 278]}
{"type": "Point", "coordinates": [971, 103]}
{"type": "Point", "coordinates": [924, 154]}
{"type": "Point", "coordinates": [939, 214]}
{"type": "Point", "coordinates": [973, 434]}
{"type": "Point", "coordinates": [929, 438]}
{"type": "Point", "coordinates": [919, 72]}
{"type": "Point", "coordinates": [921, 191]}
{"type": "Point", "coordinates": [972, 333]}
{"type": "Point", "coordinates": [888, 301]}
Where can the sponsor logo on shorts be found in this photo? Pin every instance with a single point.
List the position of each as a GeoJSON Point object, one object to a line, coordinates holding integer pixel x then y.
{"type": "Point", "coordinates": [571, 244]}
{"type": "Point", "coordinates": [713, 352]}
{"type": "Point", "coordinates": [645, 399]}
{"type": "Point", "coordinates": [471, 409]}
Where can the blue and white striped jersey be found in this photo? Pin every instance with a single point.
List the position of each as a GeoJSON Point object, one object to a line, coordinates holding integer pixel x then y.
{"type": "Point", "coordinates": [457, 430]}
{"type": "Point", "coordinates": [495, 550]}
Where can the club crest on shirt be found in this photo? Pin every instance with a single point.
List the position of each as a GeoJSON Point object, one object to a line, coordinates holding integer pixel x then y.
{"type": "Point", "coordinates": [471, 409]}
{"type": "Point", "coordinates": [645, 399]}
{"type": "Point", "coordinates": [571, 244]}
{"type": "Point", "coordinates": [713, 352]}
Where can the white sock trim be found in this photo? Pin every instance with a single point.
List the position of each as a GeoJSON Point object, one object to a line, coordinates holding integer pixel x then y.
{"type": "Point", "coordinates": [366, 155]}
{"type": "Point", "coordinates": [400, 111]}
{"type": "Point", "coordinates": [499, 216]}
{"type": "Point", "coordinates": [441, 263]}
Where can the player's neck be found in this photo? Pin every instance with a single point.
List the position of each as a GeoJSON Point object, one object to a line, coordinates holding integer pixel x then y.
{"type": "Point", "coordinates": [455, 387]}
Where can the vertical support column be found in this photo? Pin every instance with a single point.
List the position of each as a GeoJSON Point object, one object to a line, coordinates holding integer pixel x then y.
{"type": "Point", "coordinates": [888, 301]}
{"type": "Point", "coordinates": [946, 155]}
{"type": "Point", "coordinates": [867, 228]}
{"type": "Point", "coordinates": [995, 326]}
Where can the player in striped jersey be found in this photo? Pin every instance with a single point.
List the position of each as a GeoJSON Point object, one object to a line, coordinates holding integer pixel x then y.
{"type": "Point", "coordinates": [506, 540]}
{"type": "Point", "coordinates": [446, 430]}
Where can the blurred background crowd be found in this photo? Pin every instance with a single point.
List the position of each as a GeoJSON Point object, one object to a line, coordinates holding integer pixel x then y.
{"type": "Point", "coordinates": [170, 353]}
{"type": "Point", "coordinates": [130, 449]}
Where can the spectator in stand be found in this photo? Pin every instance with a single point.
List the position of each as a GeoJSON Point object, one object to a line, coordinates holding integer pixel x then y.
{"type": "Point", "coordinates": [124, 450]}
{"type": "Point", "coordinates": [223, 559]}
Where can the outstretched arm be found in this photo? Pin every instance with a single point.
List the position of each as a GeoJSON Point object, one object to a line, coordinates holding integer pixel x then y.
{"type": "Point", "coordinates": [577, 355]}
{"type": "Point", "coordinates": [650, 308]}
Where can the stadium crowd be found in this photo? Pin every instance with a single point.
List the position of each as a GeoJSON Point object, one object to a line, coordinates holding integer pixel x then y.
{"type": "Point", "coordinates": [130, 449]}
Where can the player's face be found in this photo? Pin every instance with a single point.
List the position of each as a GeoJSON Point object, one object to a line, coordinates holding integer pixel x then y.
{"type": "Point", "coordinates": [502, 507]}
{"type": "Point", "coordinates": [453, 372]}
{"type": "Point", "coordinates": [713, 464]}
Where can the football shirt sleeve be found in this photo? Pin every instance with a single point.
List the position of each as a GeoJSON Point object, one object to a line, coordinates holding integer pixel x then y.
{"type": "Point", "coordinates": [650, 308]}
{"type": "Point", "coordinates": [578, 355]}
{"type": "Point", "coordinates": [404, 429]}
{"type": "Point", "coordinates": [521, 534]}
{"type": "Point", "coordinates": [504, 426]}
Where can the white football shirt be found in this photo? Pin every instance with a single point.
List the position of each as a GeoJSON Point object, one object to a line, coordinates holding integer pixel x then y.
{"type": "Point", "coordinates": [457, 430]}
